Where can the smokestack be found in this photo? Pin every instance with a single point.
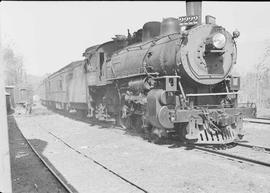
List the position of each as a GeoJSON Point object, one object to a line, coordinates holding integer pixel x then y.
{"type": "Point", "coordinates": [194, 8]}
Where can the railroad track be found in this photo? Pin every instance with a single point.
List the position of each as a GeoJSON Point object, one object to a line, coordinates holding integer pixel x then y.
{"type": "Point", "coordinates": [258, 120]}
{"type": "Point", "coordinates": [65, 185]}
{"type": "Point", "coordinates": [225, 153]}
{"type": "Point", "coordinates": [95, 161]}
{"type": "Point", "coordinates": [219, 152]}
{"type": "Point", "coordinates": [239, 152]}
{"type": "Point", "coordinates": [263, 118]}
{"type": "Point", "coordinates": [255, 147]}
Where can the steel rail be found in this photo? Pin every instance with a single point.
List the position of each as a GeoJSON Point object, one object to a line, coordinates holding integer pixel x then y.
{"type": "Point", "coordinates": [253, 146]}
{"type": "Point", "coordinates": [262, 118]}
{"type": "Point", "coordinates": [97, 162]}
{"type": "Point", "coordinates": [222, 153]}
{"type": "Point", "coordinates": [94, 161]}
{"type": "Point", "coordinates": [211, 94]}
{"type": "Point", "coordinates": [65, 185]}
{"type": "Point", "coordinates": [241, 158]}
{"type": "Point", "coordinates": [260, 121]}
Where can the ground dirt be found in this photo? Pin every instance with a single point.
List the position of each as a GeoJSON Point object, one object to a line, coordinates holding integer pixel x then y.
{"type": "Point", "coordinates": [155, 168]}
{"type": "Point", "coordinates": [29, 174]}
{"type": "Point", "coordinates": [263, 113]}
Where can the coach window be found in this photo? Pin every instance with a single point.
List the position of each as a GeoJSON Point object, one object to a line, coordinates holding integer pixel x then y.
{"type": "Point", "coordinates": [101, 61]}
{"type": "Point", "coordinates": [86, 63]}
{"type": "Point", "coordinates": [60, 85]}
{"type": "Point", "coordinates": [49, 85]}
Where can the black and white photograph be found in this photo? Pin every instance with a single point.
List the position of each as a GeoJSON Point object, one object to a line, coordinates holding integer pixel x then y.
{"type": "Point", "coordinates": [134, 97]}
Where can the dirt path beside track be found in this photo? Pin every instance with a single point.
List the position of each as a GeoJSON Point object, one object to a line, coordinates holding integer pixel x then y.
{"type": "Point", "coordinates": [29, 174]}
{"type": "Point", "coordinates": [155, 168]}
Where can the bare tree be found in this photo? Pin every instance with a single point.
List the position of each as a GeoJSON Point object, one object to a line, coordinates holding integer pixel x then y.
{"type": "Point", "coordinates": [14, 71]}
{"type": "Point", "coordinates": [255, 86]}
{"type": "Point", "coordinates": [262, 79]}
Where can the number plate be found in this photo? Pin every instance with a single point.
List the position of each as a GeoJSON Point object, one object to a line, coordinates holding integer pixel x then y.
{"type": "Point", "coordinates": [188, 20]}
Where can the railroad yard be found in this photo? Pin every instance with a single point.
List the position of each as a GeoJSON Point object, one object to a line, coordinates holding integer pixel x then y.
{"type": "Point", "coordinates": [167, 102]}
{"type": "Point", "coordinates": [102, 158]}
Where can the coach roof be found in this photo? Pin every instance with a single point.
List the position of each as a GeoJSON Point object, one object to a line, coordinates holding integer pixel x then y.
{"type": "Point", "coordinates": [71, 65]}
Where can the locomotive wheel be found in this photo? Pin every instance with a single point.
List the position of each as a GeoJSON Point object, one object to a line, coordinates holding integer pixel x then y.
{"type": "Point", "coordinates": [182, 131]}
{"type": "Point", "coordinates": [122, 119]}
{"type": "Point", "coordinates": [123, 122]}
{"type": "Point", "coordinates": [132, 122]}
{"type": "Point", "coordinates": [81, 113]}
{"type": "Point", "coordinates": [152, 136]}
{"type": "Point", "coordinates": [137, 123]}
{"type": "Point", "coordinates": [128, 120]}
{"type": "Point", "coordinates": [93, 115]}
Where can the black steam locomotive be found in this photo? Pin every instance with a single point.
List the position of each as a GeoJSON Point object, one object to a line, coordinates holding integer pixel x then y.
{"type": "Point", "coordinates": [170, 77]}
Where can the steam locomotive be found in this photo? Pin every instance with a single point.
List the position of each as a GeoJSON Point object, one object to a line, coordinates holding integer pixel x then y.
{"type": "Point", "coordinates": [168, 78]}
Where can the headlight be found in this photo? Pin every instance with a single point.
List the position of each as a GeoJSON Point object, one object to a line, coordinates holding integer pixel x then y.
{"type": "Point", "coordinates": [219, 40]}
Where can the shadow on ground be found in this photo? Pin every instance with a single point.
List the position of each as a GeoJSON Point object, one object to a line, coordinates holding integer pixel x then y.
{"type": "Point", "coordinates": [111, 125]}
{"type": "Point", "coordinates": [28, 173]}
{"type": "Point", "coordinates": [171, 142]}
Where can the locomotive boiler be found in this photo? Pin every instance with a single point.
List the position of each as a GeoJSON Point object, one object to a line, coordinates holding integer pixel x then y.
{"type": "Point", "coordinates": [168, 78]}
